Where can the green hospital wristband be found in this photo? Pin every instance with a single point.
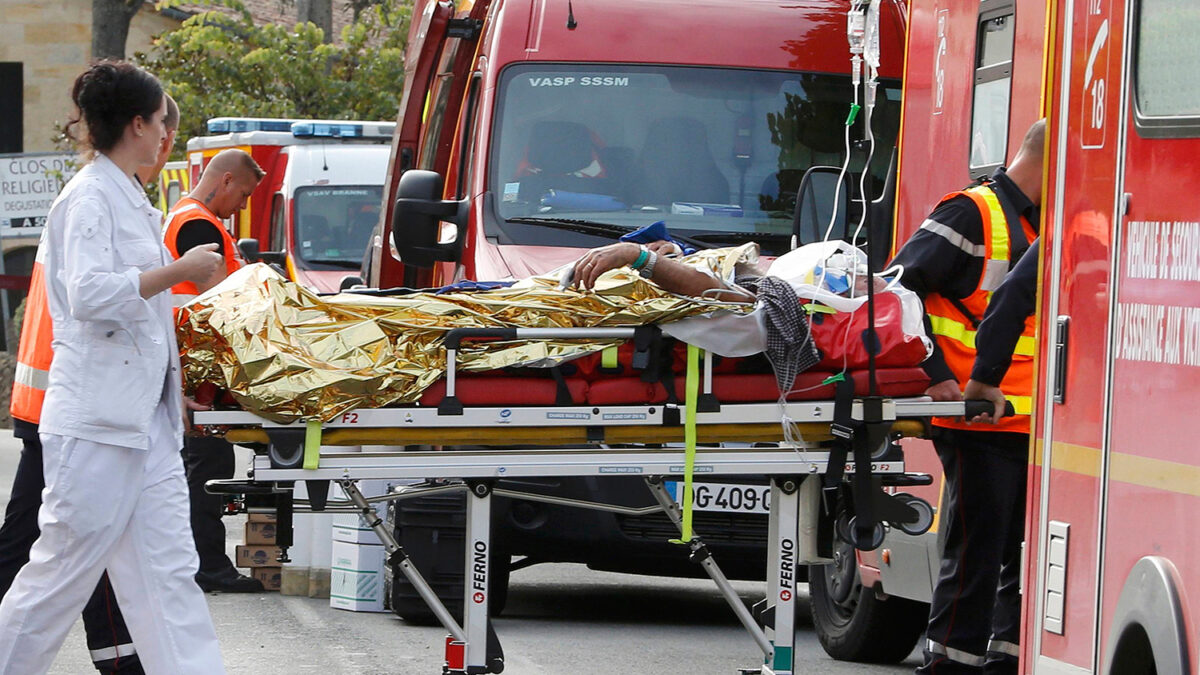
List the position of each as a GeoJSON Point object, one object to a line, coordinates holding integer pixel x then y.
{"type": "Point", "coordinates": [641, 259]}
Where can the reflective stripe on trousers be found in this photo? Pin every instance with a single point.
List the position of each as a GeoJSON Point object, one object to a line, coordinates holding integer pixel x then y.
{"type": "Point", "coordinates": [956, 655]}
{"type": "Point", "coordinates": [111, 653]}
{"type": "Point", "coordinates": [1004, 647]}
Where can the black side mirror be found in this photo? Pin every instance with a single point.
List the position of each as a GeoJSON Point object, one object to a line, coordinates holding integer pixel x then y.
{"type": "Point", "coordinates": [817, 202]}
{"type": "Point", "coordinates": [249, 250]}
{"type": "Point", "coordinates": [417, 217]}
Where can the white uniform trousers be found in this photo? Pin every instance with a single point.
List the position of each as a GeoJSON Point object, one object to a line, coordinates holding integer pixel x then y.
{"type": "Point", "coordinates": [124, 509]}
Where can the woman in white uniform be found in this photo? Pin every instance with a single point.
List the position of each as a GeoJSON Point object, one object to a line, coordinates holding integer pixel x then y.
{"type": "Point", "coordinates": [112, 423]}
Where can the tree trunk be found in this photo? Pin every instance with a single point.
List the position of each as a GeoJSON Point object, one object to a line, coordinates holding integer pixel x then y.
{"type": "Point", "coordinates": [110, 26]}
{"type": "Point", "coordinates": [319, 12]}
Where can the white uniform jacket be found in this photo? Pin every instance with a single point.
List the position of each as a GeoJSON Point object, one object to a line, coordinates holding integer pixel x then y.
{"type": "Point", "coordinates": [115, 355]}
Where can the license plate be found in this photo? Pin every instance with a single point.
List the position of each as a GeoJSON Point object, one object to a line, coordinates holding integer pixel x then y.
{"type": "Point", "coordinates": [725, 497]}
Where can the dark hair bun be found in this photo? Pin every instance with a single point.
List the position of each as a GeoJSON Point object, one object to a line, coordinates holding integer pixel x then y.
{"type": "Point", "coordinates": [109, 95]}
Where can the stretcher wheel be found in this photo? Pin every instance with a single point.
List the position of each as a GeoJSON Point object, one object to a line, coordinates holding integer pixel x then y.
{"type": "Point", "coordinates": [924, 515]}
{"type": "Point", "coordinates": [845, 532]}
{"type": "Point", "coordinates": [286, 456]}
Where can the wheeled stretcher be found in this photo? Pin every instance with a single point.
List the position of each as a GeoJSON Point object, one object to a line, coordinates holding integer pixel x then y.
{"type": "Point", "coordinates": [826, 448]}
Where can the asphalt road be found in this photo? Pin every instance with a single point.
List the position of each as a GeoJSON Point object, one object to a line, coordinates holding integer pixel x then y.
{"type": "Point", "coordinates": [559, 619]}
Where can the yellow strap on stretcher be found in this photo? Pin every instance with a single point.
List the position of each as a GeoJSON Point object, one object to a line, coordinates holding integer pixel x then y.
{"type": "Point", "coordinates": [608, 358]}
{"type": "Point", "coordinates": [312, 444]}
{"type": "Point", "coordinates": [691, 390]}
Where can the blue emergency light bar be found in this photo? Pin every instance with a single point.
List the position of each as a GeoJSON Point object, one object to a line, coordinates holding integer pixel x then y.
{"type": "Point", "coordinates": [229, 125]}
{"type": "Point", "coordinates": [303, 128]}
{"type": "Point", "coordinates": [335, 129]}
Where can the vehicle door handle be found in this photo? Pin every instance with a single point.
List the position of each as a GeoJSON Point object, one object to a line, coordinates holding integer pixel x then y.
{"type": "Point", "coordinates": [1060, 358]}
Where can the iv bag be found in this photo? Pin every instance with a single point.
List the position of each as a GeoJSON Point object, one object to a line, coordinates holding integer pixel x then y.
{"type": "Point", "coordinates": [871, 35]}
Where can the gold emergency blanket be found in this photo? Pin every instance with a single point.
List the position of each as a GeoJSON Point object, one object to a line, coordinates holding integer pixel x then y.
{"type": "Point", "coordinates": [287, 354]}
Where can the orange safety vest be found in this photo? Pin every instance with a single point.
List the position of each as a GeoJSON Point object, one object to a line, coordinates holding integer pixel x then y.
{"type": "Point", "coordinates": [35, 352]}
{"type": "Point", "coordinates": [955, 332]}
{"type": "Point", "coordinates": [188, 209]}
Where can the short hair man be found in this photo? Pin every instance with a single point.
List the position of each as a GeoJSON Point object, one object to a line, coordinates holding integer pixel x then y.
{"type": "Point", "coordinates": [958, 257]}
{"type": "Point", "coordinates": [227, 182]}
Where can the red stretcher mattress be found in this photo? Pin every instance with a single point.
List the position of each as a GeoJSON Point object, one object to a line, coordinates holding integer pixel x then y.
{"type": "Point", "coordinates": [508, 390]}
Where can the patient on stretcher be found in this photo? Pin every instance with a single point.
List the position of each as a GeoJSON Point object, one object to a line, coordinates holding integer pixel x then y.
{"type": "Point", "coordinates": [286, 353]}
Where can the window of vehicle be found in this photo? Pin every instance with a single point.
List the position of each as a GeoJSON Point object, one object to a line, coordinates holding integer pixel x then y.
{"type": "Point", "coordinates": [334, 224]}
{"type": "Point", "coordinates": [466, 138]}
{"type": "Point", "coordinates": [1166, 80]}
{"type": "Point", "coordinates": [277, 242]}
{"type": "Point", "coordinates": [11, 107]}
{"type": "Point", "coordinates": [993, 80]}
{"type": "Point", "coordinates": [717, 154]}
{"type": "Point", "coordinates": [435, 114]}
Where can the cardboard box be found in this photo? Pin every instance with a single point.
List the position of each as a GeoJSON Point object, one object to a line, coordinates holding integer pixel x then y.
{"type": "Point", "coordinates": [256, 556]}
{"type": "Point", "coordinates": [269, 576]}
{"type": "Point", "coordinates": [260, 517]}
{"type": "Point", "coordinates": [259, 533]}
{"type": "Point", "coordinates": [356, 579]}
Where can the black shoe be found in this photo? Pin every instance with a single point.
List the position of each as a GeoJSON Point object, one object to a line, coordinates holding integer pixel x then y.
{"type": "Point", "coordinates": [228, 582]}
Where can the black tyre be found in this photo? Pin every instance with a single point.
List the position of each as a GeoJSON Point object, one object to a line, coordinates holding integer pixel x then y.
{"type": "Point", "coordinates": [432, 531]}
{"type": "Point", "coordinates": [855, 625]}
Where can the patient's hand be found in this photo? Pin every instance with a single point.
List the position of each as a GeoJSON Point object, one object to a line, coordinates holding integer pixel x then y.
{"type": "Point", "coordinates": [860, 285]}
{"type": "Point", "coordinates": [664, 247]}
{"type": "Point", "coordinates": [600, 260]}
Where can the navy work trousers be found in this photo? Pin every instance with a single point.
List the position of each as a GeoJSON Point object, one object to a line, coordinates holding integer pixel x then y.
{"type": "Point", "coordinates": [974, 619]}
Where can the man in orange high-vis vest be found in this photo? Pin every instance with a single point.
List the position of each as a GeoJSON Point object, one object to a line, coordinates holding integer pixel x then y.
{"type": "Point", "coordinates": [955, 261]}
{"type": "Point", "coordinates": [221, 192]}
{"type": "Point", "coordinates": [108, 639]}
{"type": "Point", "coordinates": [227, 182]}
{"type": "Point", "coordinates": [1000, 333]}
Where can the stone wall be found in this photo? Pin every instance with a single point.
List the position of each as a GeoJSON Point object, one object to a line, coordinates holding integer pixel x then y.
{"type": "Point", "coordinates": [53, 41]}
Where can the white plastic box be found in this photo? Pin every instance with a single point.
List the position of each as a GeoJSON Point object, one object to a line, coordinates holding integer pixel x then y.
{"type": "Point", "coordinates": [350, 527]}
{"type": "Point", "coordinates": [356, 578]}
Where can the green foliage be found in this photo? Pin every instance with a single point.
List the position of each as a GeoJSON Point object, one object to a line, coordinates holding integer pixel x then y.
{"type": "Point", "coordinates": [217, 65]}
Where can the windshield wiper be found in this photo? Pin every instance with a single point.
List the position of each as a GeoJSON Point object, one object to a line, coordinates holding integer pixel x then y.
{"type": "Point", "coordinates": [597, 228]}
{"type": "Point", "coordinates": [575, 225]}
{"type": "Point", "coordinates": [348, 264]}
{"type": "Point", "coordinates": [735, 237]}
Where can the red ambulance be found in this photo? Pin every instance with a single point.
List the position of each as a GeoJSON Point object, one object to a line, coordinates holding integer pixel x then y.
{"type": "Point", "coordinates": [314, 211]}
{"type": "Point", "coordinates": [546, 128]}
{"type": "Point", "coordinates": [1112, 574]}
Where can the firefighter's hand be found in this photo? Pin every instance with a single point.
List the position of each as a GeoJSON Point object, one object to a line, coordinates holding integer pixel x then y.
{"type": "Point", "coordinates": [200, 263]}
{"type": "Point", "coordinates": [600, 260]}
{"type": "Point", "coordinates": [946, 390]}
{"type": "Point", "coordinates": [190, 406]}
{"type": "Point", "coordinates": [985, 392]}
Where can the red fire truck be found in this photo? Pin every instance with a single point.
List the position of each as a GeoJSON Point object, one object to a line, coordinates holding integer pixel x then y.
{"type": "Point", "coordinates": [1112, 573]}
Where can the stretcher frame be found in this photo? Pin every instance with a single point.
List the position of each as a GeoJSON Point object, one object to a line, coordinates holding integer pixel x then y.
{"type": "Point", "coordinates": [797, 472]}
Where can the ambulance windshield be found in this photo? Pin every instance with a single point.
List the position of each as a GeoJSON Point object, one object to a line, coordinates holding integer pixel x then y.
{"type": "Point", "coordinates": [333, 224]}
{"type": "Point", "coordinates": [716, 153]}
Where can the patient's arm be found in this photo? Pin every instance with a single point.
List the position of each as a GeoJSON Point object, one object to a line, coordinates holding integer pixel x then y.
{"type": "Point", "coordinates": [672, 276]}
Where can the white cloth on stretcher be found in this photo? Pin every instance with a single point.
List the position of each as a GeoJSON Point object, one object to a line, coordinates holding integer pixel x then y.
{"type": "Point", "coordinates": [733, 335]}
